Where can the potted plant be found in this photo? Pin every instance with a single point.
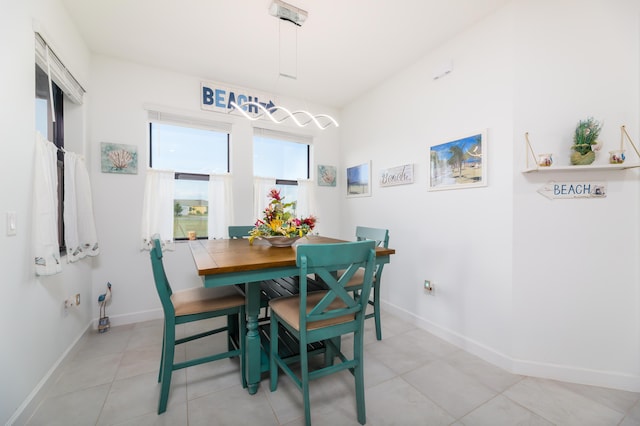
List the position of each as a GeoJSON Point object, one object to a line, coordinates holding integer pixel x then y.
{"type": "Point", "coordinates": [279, 226]}
{"type": "Point", "coordinates": [585, 141]}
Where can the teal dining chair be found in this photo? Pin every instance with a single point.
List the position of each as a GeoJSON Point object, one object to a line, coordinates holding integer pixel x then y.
{"type": "Point", "coordinates": [381, 238]}
{"type": "Point", "coordinates": [324, 316]}
{"type": "Point", "coordinates": [191, 305]}
{"type": "Point", "coordinates": [239, 231]}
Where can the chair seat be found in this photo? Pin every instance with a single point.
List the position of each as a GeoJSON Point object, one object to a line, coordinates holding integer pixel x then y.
{"type": "Point", "coordinates": [288, 309]}
{"type": "Point", "coordinates": [201, 299]}
{"type": "Point", "coordinates": [356, 280]}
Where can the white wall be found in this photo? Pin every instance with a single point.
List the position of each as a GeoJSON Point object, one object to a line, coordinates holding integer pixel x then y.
{"type": "Point", "coordinates": [547, 288]}
{"type": "Point", "coordinates": [461, 239]}
{"type": "Point", "coordinates": [120, 92]}
{"type": "Point", "coordinates": [576, 265]}
{"type": "Point", "coordinates": [36, 331]}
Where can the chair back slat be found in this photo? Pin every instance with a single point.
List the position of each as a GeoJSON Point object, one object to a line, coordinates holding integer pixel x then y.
{"type": "Point", "coordinates": [380, 236]}
{"type": "Point", "coordinates": [160, 277]}
{"type": "Point", "coordinates": [324, 260]}
{"type": "Point", "coordinates": [239, 231]}
{"type": "Point", "coordinates": [338, 288]}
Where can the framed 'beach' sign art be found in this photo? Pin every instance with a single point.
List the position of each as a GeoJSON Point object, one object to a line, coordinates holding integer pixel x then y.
{"type": "Point", "coordinates": [459, 163]}
{"type": "Point", "coordinates": [359, 180]}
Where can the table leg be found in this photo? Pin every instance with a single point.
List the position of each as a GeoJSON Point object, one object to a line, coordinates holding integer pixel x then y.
{"type": "Point", "coordinates": [253, 347]}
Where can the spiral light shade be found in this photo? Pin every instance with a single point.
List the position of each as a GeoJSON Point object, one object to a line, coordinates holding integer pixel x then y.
{"type": "Point", "coordinates": [321, 120]}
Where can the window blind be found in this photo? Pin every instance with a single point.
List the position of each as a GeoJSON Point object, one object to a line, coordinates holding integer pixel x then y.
{"type": "Point", "coordinates": [172, 118]}
{"type": "Point", "coordinates": [285, 136]}
{"type": "Point", "coordinates": [47, 60]}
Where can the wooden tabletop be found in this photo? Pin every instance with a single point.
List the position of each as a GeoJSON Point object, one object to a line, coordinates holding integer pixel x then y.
{"type": "Point", "coordinates": [235, 255]}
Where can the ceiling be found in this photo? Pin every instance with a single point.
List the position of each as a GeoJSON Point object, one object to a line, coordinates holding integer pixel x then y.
{"type": "Point", "coordinates": [343, 49]}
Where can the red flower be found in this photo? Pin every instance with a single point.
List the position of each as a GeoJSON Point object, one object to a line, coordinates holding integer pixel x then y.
{"type": "Point", "coordinates": [275, 194]}
{"type": "Point", "coordinates": [310, 221]}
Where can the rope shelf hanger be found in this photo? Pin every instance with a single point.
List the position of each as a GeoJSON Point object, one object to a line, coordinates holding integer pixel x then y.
{"type": "Point", "coordinates": [624, 135]}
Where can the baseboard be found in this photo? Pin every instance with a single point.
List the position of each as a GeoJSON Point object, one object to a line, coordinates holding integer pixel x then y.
{"type": "Point", "coordinates": [28, 406]}
{"type": "Point", "coordinates": [125, 319]}
{"type": "Point", "coordinates": [583, 376]}
{"type": "Point", "coordinates": [565, 373]}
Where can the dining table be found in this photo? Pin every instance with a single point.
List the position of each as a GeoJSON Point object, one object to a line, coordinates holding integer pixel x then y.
{"type": "Point", "coordinates": [228, 262]}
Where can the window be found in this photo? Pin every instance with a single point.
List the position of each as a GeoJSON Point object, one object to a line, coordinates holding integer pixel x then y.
{"type": "Point", "coordinates": [193, 153]}
{"type": "Point", "coordinates": [283, 157]}
{"type": "Point", "coordinates": [52, 130]}
{"type": "Point", "coordinates": [55, 86]}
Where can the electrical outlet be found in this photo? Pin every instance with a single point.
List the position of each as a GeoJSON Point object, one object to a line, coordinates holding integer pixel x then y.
{"type": "Point", "coordinates": [429, 287]}
{"type": "Point", "coordinates": [72, 301]}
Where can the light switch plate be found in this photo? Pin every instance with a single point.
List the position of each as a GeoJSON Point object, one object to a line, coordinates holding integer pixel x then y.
{"type": "Point", "coordinates": [11, 223]}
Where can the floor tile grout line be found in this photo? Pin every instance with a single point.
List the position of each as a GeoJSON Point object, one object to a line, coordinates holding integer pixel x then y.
{"type": "Point", "coordinates": [104, 402]}
{"type": "Point", "coordinates": [430, 400]}
{"type": "Point", "coordinates": [593, 398]}
{"type": "Point", "coordinates": [568, 388]}
{"type": "Point", "coordinates": [523, 378]}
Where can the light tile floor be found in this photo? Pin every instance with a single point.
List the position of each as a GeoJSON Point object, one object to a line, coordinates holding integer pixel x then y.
{"type": "Point", "coordinates": [412, 378]}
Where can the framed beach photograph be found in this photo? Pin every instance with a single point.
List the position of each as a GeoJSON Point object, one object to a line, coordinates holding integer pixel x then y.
{"type": "Point", "coordinates": [459, 163]}
{"type": "Point", "coordinates": [359, 180]}
{"type": "Point", "coordinates": [118, 158]}
{"type": "Point", "coordinates": [327, 175]}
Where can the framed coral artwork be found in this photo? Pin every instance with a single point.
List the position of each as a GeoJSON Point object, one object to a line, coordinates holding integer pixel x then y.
{"type": "Point", "coordinates": [119, 158]}
{"type": "Point", "coordinates": [326, 175]}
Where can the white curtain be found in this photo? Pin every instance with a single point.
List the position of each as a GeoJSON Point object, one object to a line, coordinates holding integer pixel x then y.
{"type": "Point", "coordinates": [261, 188]}
{"type": "Point", "coordinates": [46, 247]}
{"type": "Point", "coordinates": [220, 205]}
{"type": "Point", "coordinates": [79, 224]}
{"type": "Point", "coordinates": [306, 205]}
{"type": "Point", "coordinates": [157, 208]}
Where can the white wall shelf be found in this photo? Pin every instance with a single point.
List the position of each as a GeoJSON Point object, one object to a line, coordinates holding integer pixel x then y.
{"type": "Point", "coordinates": [574, 168]}
{"type": "Point", "coordinates": [582, 168]}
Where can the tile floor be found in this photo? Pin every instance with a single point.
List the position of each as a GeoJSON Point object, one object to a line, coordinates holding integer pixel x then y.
{"type": "Point", "coordinates": [412, 378]}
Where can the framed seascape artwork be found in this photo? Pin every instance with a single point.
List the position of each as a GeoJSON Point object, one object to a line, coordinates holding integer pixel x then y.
{"type": "Point", "coordinates": [327, 175]}
{"type": "Point", "coordinates": [119, 158]}
{"type": "Point", "coordinates": [459, 163]}
{"type": "Point", "coordinates": [359, 180]}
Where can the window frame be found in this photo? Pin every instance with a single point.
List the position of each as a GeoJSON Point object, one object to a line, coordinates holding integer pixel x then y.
{"type": "Point", "coordinates": [58, 141]}
{"type": "Point", "coordinates": [56, 127]}
{"type": "Point", "coordinates": [188, 176]}
{"type": "Point", "coordinates": [285, 186]}
{"type": "Point", "coordinates": [289, 138]}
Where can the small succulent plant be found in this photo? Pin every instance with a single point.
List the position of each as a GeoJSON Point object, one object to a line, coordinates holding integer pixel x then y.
{"type": "Point", "coordinates": [586, 135]}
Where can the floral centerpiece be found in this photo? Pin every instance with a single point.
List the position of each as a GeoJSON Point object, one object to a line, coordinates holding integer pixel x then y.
{"type": "Point", "coordinates": [279, 221]}
{"type": "Point", "coordinates": [585, 141]}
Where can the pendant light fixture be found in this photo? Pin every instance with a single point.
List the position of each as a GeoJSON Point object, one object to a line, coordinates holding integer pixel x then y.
{"type": "Point", "coordinates": [278, 114]}
{"type": "Point", "coordinates": [322, 121]}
